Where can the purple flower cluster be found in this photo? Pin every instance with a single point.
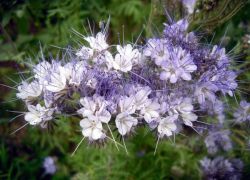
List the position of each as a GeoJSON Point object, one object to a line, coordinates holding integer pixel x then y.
{"type": "Point", "coordinates": [218, 140]}
{"type": "Point", "coordinates": [242, 114]}
{"type": "Point", "coordinates": [221, 168]}
{"type": "Point", "coordinates": [165, 84]}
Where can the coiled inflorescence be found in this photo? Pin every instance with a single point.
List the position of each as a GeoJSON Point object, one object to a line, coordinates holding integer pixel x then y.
{"type": "Point", "coordinates": [165, 84]}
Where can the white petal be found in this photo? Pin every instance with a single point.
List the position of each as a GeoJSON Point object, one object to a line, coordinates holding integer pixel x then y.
{"type": "Point", "coordinates": [87, 132]}
{"type": "Point", "coordinates": [188, 123]}
{"type": "Point", "coordinates": [190, 67]}
{"type": "Point", "coordinates": [33, 119]}
{"type": "Point", "coordinates": [186, 76]}
{"type": "Point", "coordinates": [185, 107]}
{"type": "Point", "coordinates": [172, 126]}
{"type": "Point", "coordinates": [104, 116]}
{"type": "Point", "coordinates": [164, 75]}
{"type": "Point", "coordinates": [85, 123]}
{"type": "Point", "coordinates": [96, 134]}
{"type": "Point", "coordinates": [173, 78]}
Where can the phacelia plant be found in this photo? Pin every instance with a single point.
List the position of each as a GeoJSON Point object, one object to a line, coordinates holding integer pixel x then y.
{"type": "Point", "coordinates": [168, 84]}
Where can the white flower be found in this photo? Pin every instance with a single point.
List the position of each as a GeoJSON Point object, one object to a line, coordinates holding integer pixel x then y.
{"type": "Point", "coordinates": [103, 115]}
{"type": "Point", "coordinates": [185, 106]}
{"type": "Point", "coordinates": [38, 114]}
{"type": "Point", "coordinates": [101, 112]}
{"type": "Point", "coordinates": [85, 53]}
{"type": "Point", "coordinates": [126, 104]}
{"type": "Point", "coordinates": [97, 52]}
{"type": "Point", "coordinates": [66, 70]}
{"type": "Point", "coordinates": [108, 59]}
{"type": "Point", "coordinates": [29, 91]}
{"type": "Point", "coordinates": [125, 58]}
{"type": "Point", "coordinates": [95, 106]}
{"type": "Point", "coordinates": [94, 109]}
{"type": "Point", "coordinates": [167, 126]}
{"type": "Point", "coordinates": [141, 97]}
{"type": "Point", "coordinates": [92, 128]}
{"type": "Point", "coordinates": [58, 80]}
{"type": "Point", "coordinates": [150, 110]}
{"type": "Point", "coordinates": [124, 122]}
{"type": "Point", "coordinates": [41, 70]}
{"type": "Point", "coordinates": [77, 73]}
{"type": "Point", "coordinates": [89, 106]}
{"type": "Point", "coordinates": [188, 118]}
{"type": "Point", "coordinates": [185, 109]}
{"type": "Point", "coordinates": [97, 43]}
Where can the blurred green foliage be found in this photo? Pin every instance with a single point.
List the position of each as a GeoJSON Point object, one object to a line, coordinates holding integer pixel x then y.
{"type": "Point", "coordinates": [28, 26]}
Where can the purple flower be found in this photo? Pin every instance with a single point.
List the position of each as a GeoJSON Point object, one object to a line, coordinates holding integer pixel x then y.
{"type": "Point", "coordinates": [225, 81]}
{"type": "Point", "coordinates": [179, 65]}
{"type": "Point", "coordinates": [49, 165]}
{"type": "Point", "coordinates": [157, 49]}
{"type": "Point", "coordinates": [177, 35]}
{"type": "Point", "coordinates": [205, 91]}
{"type": "Point", "coordinates": [220, 57]}
{"type": "Point", "coordinates": [242, 114]}
{"type": "Point", "coordinates": [218, 140]}
{"type": "Point", "coordinates": [221, 168]}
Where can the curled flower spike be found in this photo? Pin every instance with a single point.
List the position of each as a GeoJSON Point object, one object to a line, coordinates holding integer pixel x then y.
{"type": "Point", "coordinates": [166, 84]}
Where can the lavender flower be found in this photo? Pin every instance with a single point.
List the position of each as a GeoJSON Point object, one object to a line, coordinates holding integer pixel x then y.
{"type": "Point", "coordinates": [242, 114]}
{"type": "Point", "coordinates": [177, 35]}
{"type": "Point", "coordinates": [180, 65]}
{"type": "Point", "coordinates": [218, 140]}
{"type": "Point", "coordinates": [157, 49]}
{"type": "Point", "coordinates": [49, 165]}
